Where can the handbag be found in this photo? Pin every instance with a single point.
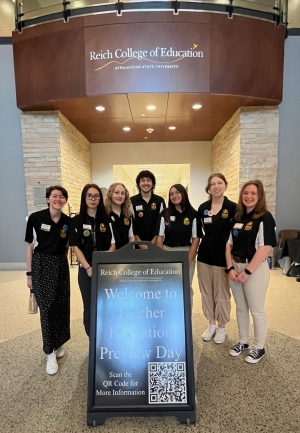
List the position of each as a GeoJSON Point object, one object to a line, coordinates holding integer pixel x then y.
{"type": "Point", "coordinates": [33, 306]}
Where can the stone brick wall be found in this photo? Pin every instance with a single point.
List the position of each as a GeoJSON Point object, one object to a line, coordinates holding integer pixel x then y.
{"type": "Point", "coordinates": [54, 153]}
{"type": "Point", "coordinates": [247, 148]}
{"type": "Point", "coordinates": [225, 154]}
{"type": "Point", "coordinates": [75, 161]}
{"type": "Point", "coordinates": [259, 149]}
{"type": "Point", "coordinates": [41, 152]}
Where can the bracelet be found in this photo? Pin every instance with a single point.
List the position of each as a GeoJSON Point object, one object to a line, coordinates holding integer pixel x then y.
{"type": "Point", "coordinates": [87, 268]}
{"type": "Point", "coordinates": [28, 273]}
{"type": "Point", "coordinates": [229, 269]}
{"type": "Point", "coordinates": [247, 272]}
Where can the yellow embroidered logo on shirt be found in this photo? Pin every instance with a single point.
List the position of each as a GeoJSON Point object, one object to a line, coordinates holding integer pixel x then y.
{"type": "Point", "coordinates": [126, 221]}
{"type": "Point", "coordinates": [225, 213]}
{"type": "Point", "coordinates": [63, 233]}
{"type": "Point", "coordinates": [102, 228]}
{"type": "Point", "coordinates": [249, 225]}
{"type": "Point", "coordinates": [186, 221]}
{"type": "Point", "coordinates": [153, 206]}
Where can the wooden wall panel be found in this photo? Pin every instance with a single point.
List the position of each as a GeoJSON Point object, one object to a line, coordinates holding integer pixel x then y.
{"type": "Point", "coordinates": [49, 67]}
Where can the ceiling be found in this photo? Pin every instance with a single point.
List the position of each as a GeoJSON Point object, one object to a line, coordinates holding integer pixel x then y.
{"type": "Point", "coordinates": [172, 109]}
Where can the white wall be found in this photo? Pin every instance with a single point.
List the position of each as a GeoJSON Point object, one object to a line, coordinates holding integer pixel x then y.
{"type": "Point", "coordinates": [288, 177]}
{"type": "Point", "coordinates": [197, 154]}
{"type": "Point", "coordinates": [13, 208]}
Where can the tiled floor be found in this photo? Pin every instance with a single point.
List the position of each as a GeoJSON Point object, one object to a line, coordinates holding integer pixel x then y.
{"type": "Point", "coordinates": [232, 396]}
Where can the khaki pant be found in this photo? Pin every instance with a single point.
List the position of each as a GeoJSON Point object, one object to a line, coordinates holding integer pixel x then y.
{"type": "Point", "coordinates": [215, 292]}
{"type": "Point", "coordinates": [250, 296]}
{"type": "Point", "coordinates": [191, 268]}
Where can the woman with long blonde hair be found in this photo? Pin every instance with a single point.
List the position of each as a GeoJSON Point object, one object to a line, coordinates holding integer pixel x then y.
{"type": "Point", "coordinates": [118, 207]}
{"type": "Point", "coordinates": [252, 236]}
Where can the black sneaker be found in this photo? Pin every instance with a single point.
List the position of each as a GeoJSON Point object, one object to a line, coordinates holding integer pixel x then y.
{"type": "Point", "coordinates": [237, 349]}
{"type": "Point", "coordinates": [255, 355]}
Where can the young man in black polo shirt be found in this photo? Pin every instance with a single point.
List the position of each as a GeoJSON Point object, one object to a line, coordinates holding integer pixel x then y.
{"type": "Point", "coordinates": [146, 207]}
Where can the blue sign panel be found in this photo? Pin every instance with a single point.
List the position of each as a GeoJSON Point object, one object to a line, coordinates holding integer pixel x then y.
{"type": "Point", "coordinates": [140, 337]}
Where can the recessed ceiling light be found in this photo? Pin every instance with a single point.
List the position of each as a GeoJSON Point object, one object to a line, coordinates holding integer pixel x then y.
{"type": "Point", "coordinates": [126, 128]}
{"type": "Point", "coordinates": [149, 130]}
{"type": "Point", "coordinates": [172, 128]}
{"type": "Point", "coordinates": [145, 138]}
{"type": "Point", "coordinates": [151, 107]}
{"type": "Point", "coordinates": [197, 106]}
{"type": "Point", "coordinates": [100, 108]}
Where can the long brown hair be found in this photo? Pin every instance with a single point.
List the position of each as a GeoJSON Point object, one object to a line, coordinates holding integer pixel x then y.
{"type": "Point", "coordinates": [185, 202]}
{"type": "Point", "coordinates": [125, 207]}
{"type": "Point", "coordinates": [220, 176]}
{"type": "Point", "coordinates": [261, 205]}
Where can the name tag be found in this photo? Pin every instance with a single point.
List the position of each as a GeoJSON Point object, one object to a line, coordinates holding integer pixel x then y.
{"type": "Point", "coordinates": [172, 218]}
{"type": "Point", "coordinates": [208, 220]}
{"type": "Point", "coordinates": [238, 226]}
{"type": "Point", "coordinates": [140, 207]}
{"type": "Point", "coordinates": [45, 227]}
{"type": "Point", "coordinates": [87, 227]}
{"type": "Point", "coordinates": [113, 218]}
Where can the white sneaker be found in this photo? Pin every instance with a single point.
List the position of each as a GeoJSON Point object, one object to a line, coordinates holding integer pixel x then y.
{"type": "Point", "coordinates": [209, 333]}
{"type": "Point", "coordinates": [220, 335]}
{"type": "Point", "coordinates": [60, 352]}
{"type": "Point", "coordinates": [51, 366]}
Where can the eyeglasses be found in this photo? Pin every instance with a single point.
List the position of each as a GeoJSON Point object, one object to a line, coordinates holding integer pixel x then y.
{"type": "Point", "coordinates": [93, 197]}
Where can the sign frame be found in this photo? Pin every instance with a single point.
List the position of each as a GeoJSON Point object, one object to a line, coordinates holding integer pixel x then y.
{"type": "Point", "coordinates": [130, 255]}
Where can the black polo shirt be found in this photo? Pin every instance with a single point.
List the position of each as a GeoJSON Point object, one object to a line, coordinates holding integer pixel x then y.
{"type": "Point", "coordinates": [214, 231]}
{"type": "Point", "coordinates": [181, 228]}
{"type": "Point", "coordinates": [249, 234]}
{"type": "Point", "coordinates": [92, 235]}
{"type": "Point", "coordinates": [122, 227]}
{"type": "Point", "coordinates": [48, 237]}
{"type": "Point", "coordinates": [146, 215]}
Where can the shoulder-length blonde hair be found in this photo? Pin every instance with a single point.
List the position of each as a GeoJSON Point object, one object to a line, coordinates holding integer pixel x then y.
{"type": "Point", "coordinates": [261, 205]}
{"type": "Point", "coordinates": [125, 208]}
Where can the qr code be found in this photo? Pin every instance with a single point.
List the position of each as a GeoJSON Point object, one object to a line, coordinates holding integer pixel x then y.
{"type": "Point", "coordinates": [167, 382]}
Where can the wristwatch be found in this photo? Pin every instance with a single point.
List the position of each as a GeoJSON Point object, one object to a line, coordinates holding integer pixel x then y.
{"type": "Point", "coordinates": [28, 273]}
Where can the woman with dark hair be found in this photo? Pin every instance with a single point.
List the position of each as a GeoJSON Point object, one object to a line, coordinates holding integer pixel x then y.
{"type": "Point", "coordinates": [47, 235]}
{"type": "Point", "coordinates": [90, 231]}
{"type": "Point", "coordinates": [251, 238]}
{"type": "Point", "coordinates": [177, 228]}
{"type": "Point", "coordinates": [213, 221]}
{"type": "Point", "coordinates": [118, 207]}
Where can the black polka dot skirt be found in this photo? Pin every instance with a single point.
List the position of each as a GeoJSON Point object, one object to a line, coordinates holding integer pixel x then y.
{"type": "Point", "coordinates": [51, 286]}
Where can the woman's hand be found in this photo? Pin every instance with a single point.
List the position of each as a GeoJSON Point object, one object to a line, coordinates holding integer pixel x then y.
{"type": "Point", "coordinates": [29, 282]}
{"type": "Point", "coordinates": [233, 275]}
{"type": "Point", "coordinates": [89, 271]}
{"type": "Point", "coordinates": [242, 277]}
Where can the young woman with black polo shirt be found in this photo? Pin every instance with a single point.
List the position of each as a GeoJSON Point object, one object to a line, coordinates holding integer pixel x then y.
{"type": "Point", "coordinates": [177, 228]}
{"type": "Point", "coordinates": [117, 206]}
{"type": "Point", "coordinates": [90, 231]}
{"type": "Point", "coordinates": [47, 236]}
{"type": "Point", "coordinates": [213, 222]}
{"type": "Point", "coordinates": [251, 238]}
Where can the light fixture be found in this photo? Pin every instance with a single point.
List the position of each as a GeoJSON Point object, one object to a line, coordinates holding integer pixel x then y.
{"type": "Point", "coordinates": [143, 115]}
{"type": "Point", "coordinates": [149, 130]}
{"type": "Point", "coordinates": [172, 128]}
{"type": "Point", "coordinates": [126, 128]}
{"type": "Point", "coordinates": [196, 106]}
{"type": "Point", "coordinates": [145, 138]}
{"type": "Point", "coordinates": [151, 107]}
{"type": "Point", "coordinates": [100, 108]}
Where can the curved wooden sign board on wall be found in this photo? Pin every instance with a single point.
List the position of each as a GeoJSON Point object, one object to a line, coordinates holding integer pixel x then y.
{"type": "Point", "coordinates": [153, 52]}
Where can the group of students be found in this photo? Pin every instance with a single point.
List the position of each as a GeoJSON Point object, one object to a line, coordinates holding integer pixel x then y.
{"type": "Point", "coordinates": [232, 242]}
